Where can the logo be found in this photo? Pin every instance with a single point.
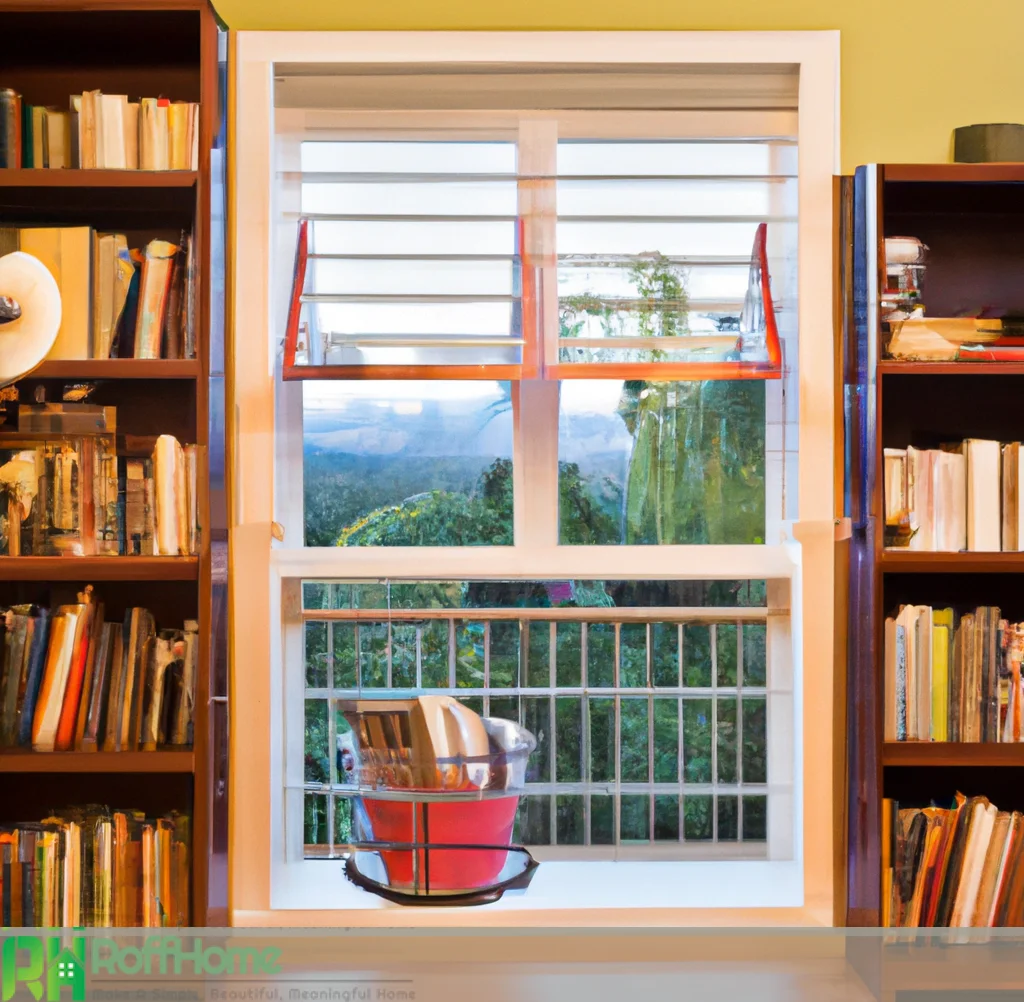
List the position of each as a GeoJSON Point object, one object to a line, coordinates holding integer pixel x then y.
{"type": "Point", "coordinates": [56, 967]}
{"type": "Point", "coordinates": [32, 960]}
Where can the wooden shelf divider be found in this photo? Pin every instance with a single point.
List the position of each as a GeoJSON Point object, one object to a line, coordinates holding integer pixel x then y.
{"type": "Point", "coordinates": [89, 569]}
{"type": "Point", "coordinates": [42, 177]}
{"type": "Point", "coordinates": [916, 561]}
{"type": "Point", "coordinates": [892, 367]}
{"type": "Point", "coordinates": [21, 761]}
{"type": "Point", "coordinates": [118, 368]}
{"type": "Point", "coordinates": [951, 753]}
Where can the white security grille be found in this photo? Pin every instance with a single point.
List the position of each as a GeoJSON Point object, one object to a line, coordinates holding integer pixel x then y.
{"type": "Point", "coordinates": [651, 723]}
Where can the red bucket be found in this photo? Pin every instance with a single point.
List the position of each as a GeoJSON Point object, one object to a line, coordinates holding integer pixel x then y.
{"type": "Point", "coordinates": [465, 822]}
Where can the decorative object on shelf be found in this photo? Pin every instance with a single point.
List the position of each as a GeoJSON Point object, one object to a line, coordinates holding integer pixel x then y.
{"type": "Point", "coordinates": [996, 143]}
{"type": "Point", "coordinates": [34, 304]}
{"type": "Point", "coordinates": [435, 789]}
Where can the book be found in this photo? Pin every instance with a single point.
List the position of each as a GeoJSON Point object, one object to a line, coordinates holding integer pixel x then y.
{"type": "Point", "coordinates": [58, 138]}
{"type": "Point", "coordinates": [942, 629]}
{"type": "Point", "coordinates": [91, 867]}
{"type": "Point", "coordinates": [55, 677]}
{"type": "Point", "coordinates": [65, 737]}
{"type": "Point", "coordinates": [112, 127]}
{"type": "Point", "coordinates": [172, 497]}
{"type": "Point", "coordinates": [984, 490]}
{"type": "Point", "coordinates": [1012, 535]}
{"type": "Point", "coordinates": [153, 289]}
{"type": "Point", "coordinates": [67, 253]}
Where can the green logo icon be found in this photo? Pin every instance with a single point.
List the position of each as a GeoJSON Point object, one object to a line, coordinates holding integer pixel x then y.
{"type": "Point", "coordinates": [26, 961]}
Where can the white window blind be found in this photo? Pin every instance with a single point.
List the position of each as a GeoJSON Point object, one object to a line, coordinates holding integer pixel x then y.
{"type": "Point", "coordinates": [484, 224]}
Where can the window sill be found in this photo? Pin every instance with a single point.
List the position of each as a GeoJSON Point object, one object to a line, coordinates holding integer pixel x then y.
{"type": "Point", "coordinates": [683, 893]}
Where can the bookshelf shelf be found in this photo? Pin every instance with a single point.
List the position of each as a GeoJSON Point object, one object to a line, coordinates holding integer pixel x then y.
{"type": "Point", "coordinates": [935, 753]}
{"type": "Point", "coordinates": [955, 173]}
{"type": "Point", "coordinates": [916, 561]}
{"type": "Point", "coordinates": [99, 568]}
{"type": "Point", "coordinates": [172, 48]}
{"type": "Point", "coordinates": [951, 368]}
{"type": "Point", "coordinates": [79, 762]}
{"type": "Point", "coordinates": [12, 177]}
{"type": "Point", "coordinates": [968, 216]}
{"type": "Point", "coordinates": [119, 368]}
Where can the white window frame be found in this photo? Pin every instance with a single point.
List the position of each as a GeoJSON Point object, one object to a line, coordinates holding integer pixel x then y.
{"type": "Point", "coordinates": [267, 886]}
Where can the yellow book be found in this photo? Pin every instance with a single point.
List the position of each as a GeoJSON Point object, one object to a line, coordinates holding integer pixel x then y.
{"type": "Point", "coordinates": [67, 253]}
{"type": "Point", "coordinates": [942, 633]}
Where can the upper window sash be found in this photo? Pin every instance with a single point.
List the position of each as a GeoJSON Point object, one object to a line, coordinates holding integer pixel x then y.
{"type": "Point", "coordinates": [540, 322]}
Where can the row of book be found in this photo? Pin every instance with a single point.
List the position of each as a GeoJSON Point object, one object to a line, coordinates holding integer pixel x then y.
{"type": "Point", "coordinates": [964, 496]}
{"type": "Point", "coordinates": [70, 681]}
{"type": "Point", "coordinates": [64, 490]}
{"type": "Point", "coordinates": [99, 130]}
{"type": "Point", "coordinates": [952, 678]}
{"type": "Point", "coordinates": [90, 866]}
{"type": "Point", "coordinates": [952, 868]}
{"type": "Point", "coordinates": [116, 302]}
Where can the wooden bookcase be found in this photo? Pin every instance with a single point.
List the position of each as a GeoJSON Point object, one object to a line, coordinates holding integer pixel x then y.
{"type": "Point", "coordinates": [971, 217]}
{"type": "Point", "coordinates": [169, 48]}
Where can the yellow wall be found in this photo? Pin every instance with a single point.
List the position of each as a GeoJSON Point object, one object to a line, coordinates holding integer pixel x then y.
{"type": "Point", "coordinates": [911, 71]}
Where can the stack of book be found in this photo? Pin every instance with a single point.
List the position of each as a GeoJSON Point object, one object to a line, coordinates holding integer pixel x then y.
{"type": "Point", "coordinates": [960, 497]}
{"type": "Point", "coordinates": [950, 678]}
{"type": "Point", "coordinates": [70, 681]}
{"type": "Point", "coordinates": [958, 867]}
{"type": "Point", "coordinates": [101, 131]}
{"type": "Point", "coordinates": [116, 302]}
{"type": "Point", "coordinates": [93, 867]}
{"type": "Point", "coordinates": [65, 491]}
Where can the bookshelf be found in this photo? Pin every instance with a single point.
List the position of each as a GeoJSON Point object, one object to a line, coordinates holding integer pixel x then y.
{"type": "Point", "coordinates": [971, 217]}
{"type": "Point", "coordinates": [55, 48]}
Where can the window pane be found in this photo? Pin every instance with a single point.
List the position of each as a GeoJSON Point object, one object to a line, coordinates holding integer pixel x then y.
{"type": "Point", "coordinates": [469, 655]}
{"type": "Point", "coordinates": [504, 654]}
{"type": "Point", "coordinates": [632, 655]}
{"type": "Point", "coordinates": [661, 463]}
{"type": "Point", "coordinates": [726, 740]}
{"type": "Point", "coordinates": [696, 655]}
{"type": "Point", "coordinates": [666, 740]}
{"type": "Point", "coordinates": [602, 820]}
{"type": "Point", "coordinates": [666, 818]}
{"type": "Point", "coordinates": [373, 655]}
{"type": "Point", "coordinates": [697, 820]}
{"type": "Point", "coordinates": [407, 464]}
{"type": "Point", "coordinates": [533, 821]}
{"type": "Point", "coordinates": [571, 820]}
{"type": "Point", "coordinates": [755, 819]}
{"type": "Point", "coordinates": [755, 657]}
{"type": "Point", "coordinates": [345, 676]}
{"type": "Point", "coordinates": [635, 820]}
{"type": "Point", "coordinates": [697, 740]}
{"type": "Point", "coordinates": [665, 654]}
{"type": "Point", "coordinates": [538, 659]}
{"type": "Point", "coordinates": [600, 655]}
{"type": "Point", "coordinates": [569, 732]}
{"type": "Point", "coordinates": [728, 821]}
{"type": "Point", "coordinates": [569, 654]}
{"type": "Point", "coordinates": [318, 756]}
{"type": "Point", "coordinates": [633, 717]}
{"type": "Point", "coordinates": [755, 740]}
{"type": "Point", "coordinates": [316, 656]}
{"type": "Point", "coordinates": [314, 822]}
{"type": "Point", "coordinates": [602, 740]}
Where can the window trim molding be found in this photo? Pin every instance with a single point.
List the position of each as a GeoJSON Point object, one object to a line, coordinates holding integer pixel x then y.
{"type": "Point", "coordinates": [258, 569]}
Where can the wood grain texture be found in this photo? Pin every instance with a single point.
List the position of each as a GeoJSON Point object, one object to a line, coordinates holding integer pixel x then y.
{"type": "Point", "coordinates": [936, 753]}
{"type": "Point", "coordinates": [96, 762]}
{"type": "Point", "coordinates": [99, 568]}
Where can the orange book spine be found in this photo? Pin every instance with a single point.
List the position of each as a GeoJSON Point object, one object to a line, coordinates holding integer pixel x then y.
{"type": "Point", "coordinates": [73, 693]}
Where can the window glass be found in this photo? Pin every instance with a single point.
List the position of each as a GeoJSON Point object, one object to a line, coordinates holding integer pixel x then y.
{"type": "Point", "coordinates": [650, 725]}
{"type": "Point", "coordinates": [407, 463]}
{"type": "Point", "coordinates": [661, 463]}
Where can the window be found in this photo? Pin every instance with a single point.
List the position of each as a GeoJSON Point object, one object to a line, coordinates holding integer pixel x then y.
{"type": "Point", "coordinates": [543, 452]}
{"type": "Point", "coordinates": [437, 251]}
